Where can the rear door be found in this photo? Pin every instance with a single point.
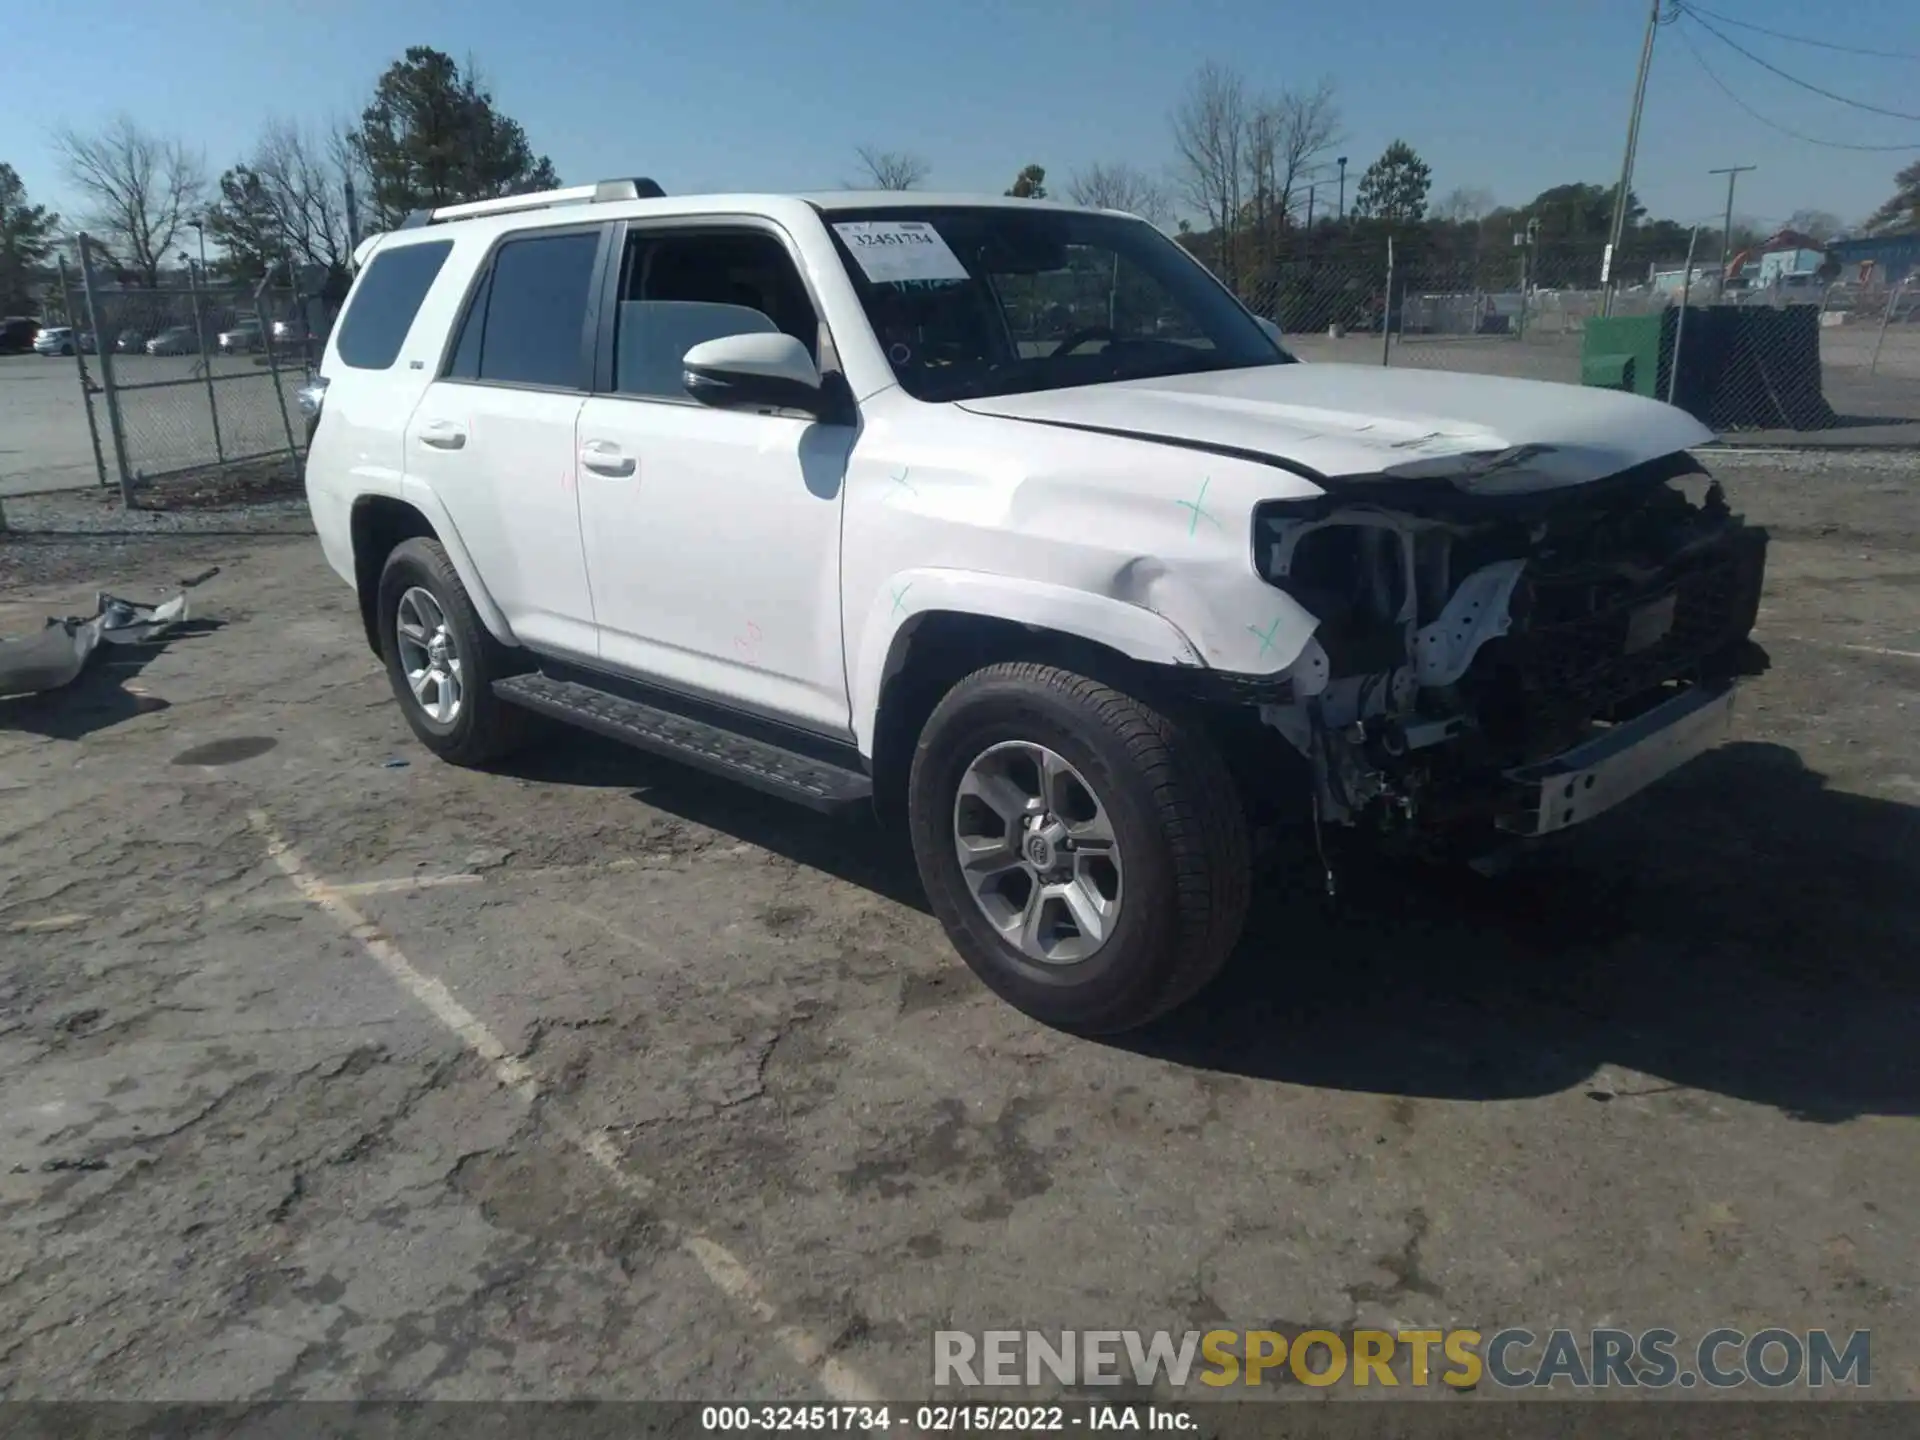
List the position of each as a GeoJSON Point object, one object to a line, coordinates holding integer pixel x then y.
{"type": "Point", "coordinates": [494, 433]}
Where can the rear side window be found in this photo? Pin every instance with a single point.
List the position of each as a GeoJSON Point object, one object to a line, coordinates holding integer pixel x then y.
{"type": "Point", "coordinates": [385, 302]}
{"type": "Point", "coordinates": [527, 322]}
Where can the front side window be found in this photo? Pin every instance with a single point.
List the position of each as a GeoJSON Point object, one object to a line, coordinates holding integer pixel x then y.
{"type": "Point", "coordinates": [998, 300]}
{"type": "Point", "coordinates": [386, 300]}
{"type": "Point", "coordinates": [526, 324]}
{"type": "Point", "coordinates": [679, 289]}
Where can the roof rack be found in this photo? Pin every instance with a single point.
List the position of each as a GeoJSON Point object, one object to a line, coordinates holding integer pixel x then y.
{"type": "Point", "coordinates": [600, 193]}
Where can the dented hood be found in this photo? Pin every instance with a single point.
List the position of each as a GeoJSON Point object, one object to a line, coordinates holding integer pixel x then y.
{"type": "Point", "coordinates": [1479, 433]}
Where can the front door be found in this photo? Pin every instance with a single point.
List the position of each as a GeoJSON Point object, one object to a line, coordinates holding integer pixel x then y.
{"type": "Point", "coordinates": [712, 536]}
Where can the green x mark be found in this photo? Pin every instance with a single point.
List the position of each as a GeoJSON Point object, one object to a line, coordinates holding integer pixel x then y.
{"type": "Point", "coordinates": [1197, 505]}
{"type": "Point", "coordinates": [1266, 636]}
{"type": "Point", "coordinates": [900, 598]}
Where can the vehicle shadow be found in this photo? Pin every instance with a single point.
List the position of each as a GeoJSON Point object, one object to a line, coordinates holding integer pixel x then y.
{"type": "Point", "coordinates": [97, 698]}
{"type": "Point", "coordinates": [857, 850]}
{"type": "Point", "coordinates": [1743, 930]}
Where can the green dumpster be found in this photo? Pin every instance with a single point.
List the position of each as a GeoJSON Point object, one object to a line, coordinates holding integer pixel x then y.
{"type": "Point", "coordinates": [1628, 352]}
{"type": "Point", "coordinates": [1742, 367]}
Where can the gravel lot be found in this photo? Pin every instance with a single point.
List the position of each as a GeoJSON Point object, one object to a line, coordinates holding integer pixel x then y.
{"type": "Point", "coordinates": [332, 1071]}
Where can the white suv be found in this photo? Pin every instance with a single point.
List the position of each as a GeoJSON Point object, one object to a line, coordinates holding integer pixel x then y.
{"type": "Point", "coordinates": [1008, 517]}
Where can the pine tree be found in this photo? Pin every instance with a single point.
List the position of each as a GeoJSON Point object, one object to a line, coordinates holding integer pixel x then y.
{"type": "Point", "coordinates": [432, 137]}
{"type": "Point", "coordinates": [27, 239]}
{"type": "Point", "coordinates": [1395, 186]}
{"type": "Point", "coordinates": [1030, 183]}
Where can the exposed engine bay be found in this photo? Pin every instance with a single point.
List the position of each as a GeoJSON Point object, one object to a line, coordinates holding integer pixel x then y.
{"type": "Point", "coordinates": [1464, 638]}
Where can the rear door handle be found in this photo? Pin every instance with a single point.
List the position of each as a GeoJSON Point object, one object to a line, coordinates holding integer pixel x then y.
{"type": "Point", "coordinates": [444, 435]}
{"type": "Point", "coordinates": [604, 458]}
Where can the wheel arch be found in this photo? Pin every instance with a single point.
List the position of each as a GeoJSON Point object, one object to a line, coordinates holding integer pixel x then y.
{"type": "Point", "coordinates": [381, 522]}
{"type": "Point", "coordinates": [963, 622]}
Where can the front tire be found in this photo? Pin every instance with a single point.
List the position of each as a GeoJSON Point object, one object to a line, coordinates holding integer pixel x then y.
{"type": "Point", "coordinates": [440, 659]}
{"type": "Point", "coordinates": [1086, 853]}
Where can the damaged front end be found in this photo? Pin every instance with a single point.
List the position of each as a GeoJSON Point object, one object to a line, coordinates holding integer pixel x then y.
{"type": "Point", "coordinates": [1509, 661]}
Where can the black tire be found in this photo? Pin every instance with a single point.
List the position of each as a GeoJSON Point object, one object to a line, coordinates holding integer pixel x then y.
{"type": "Point", "coordinates": [484, 728]}
{"type": "Point", "coordinates": [1175, 813]}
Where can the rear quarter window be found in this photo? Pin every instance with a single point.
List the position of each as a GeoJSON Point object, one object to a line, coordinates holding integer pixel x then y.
{"type": "Point", "coordinates": [385, 301]}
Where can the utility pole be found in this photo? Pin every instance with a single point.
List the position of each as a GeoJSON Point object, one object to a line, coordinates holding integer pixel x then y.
{"type": "Point", "coordinates": [1619, 226]}
{"type": "Point", "coordinates": [1732, 172]}
{"type": "Point", "coordinates": [1343, 187]}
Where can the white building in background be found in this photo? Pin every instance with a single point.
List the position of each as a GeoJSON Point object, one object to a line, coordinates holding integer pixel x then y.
{"type": "Point", "coordinates": [1673, 279]}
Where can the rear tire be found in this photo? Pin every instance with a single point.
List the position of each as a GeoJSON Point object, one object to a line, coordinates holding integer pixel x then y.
{"type": "Point", "coordinates": [1113, 940]}
{"type": "Point", "coordinates": [441, 660]}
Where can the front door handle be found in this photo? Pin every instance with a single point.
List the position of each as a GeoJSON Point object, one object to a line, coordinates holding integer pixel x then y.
{"type": "Point", "coordinates": [605, 459]}
{"type": "Point", "coordinates": [444, 435]}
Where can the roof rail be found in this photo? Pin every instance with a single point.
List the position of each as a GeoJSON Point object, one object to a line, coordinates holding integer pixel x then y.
{"type": "Point", "coordinates": [600, 193]}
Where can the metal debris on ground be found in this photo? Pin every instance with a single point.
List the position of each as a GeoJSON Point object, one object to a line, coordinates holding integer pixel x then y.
{"type": "Point", "coordinates": [56, 656]}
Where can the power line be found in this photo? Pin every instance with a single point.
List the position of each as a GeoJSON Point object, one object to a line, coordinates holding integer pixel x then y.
{"type": "Point", "coordinates": [1797, 39]}
{"type": "Point", "coordinates": [1773, 124]}
{"type": "Point", "coordinates": [1794, 79]}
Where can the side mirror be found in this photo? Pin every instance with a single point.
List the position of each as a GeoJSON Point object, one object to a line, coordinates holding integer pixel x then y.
{"type": "Point", "coordinates": [1274, 332]}
{"type": "Point", "coordinates": [754, 372]}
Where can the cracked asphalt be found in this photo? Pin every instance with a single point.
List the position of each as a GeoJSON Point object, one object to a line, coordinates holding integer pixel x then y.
{"type": "Point", "coordinates": [330, 1071]}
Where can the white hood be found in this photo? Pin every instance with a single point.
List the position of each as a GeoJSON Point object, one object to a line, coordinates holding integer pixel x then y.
{"type": "Point", "coordinates": [1485, 434]}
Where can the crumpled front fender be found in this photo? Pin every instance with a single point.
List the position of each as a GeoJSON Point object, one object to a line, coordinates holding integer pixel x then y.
{"type": "Point", "coordinates": [1146, 618]}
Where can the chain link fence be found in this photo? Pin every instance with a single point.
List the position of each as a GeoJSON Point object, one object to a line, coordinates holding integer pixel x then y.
{"type": "Point", "coordinates": [189, 378]}
{"type": "Point", "coordinates": [1796, 354]}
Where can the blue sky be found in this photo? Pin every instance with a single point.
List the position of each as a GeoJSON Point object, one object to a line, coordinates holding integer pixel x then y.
{"type": "Point", "coordinates": [1512, 95]}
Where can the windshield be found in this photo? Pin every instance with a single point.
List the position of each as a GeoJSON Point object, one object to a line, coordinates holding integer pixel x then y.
{"type": "Point", "coordinates": [998, 300]}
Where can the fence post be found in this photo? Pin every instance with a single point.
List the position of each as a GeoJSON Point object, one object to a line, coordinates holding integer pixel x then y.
{"type": "Point", "coordinates": [273, 366]}
{"type": "Point", "coordinates": [1893, 298]}
{"type": "Point", "coordinates": [1526, 274]}
{"type": "Point", "coordinates": [199, 340]}
{"type": "Point", "coordinates": [115, 426]}
{"type": "Point", "coordinates": [86, 382]}
{"type": "Point", "coordinates": [1386, 311]}
{"type": "Point", "coordinates": [1680, 324]}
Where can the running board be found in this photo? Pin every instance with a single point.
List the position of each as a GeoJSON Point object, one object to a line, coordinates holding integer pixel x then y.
{"type": "Point", "coordinates": [818, 784]}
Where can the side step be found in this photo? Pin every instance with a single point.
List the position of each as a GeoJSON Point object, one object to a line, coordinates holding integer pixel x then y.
{"type": "Point", "coordinates": [818, 784]}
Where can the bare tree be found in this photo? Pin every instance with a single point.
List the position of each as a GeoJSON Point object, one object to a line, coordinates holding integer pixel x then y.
{"type": "Point", "coordinates": [892, 169]}
{"type": "Point", "coordinates": [305, 182]}
{"type": "Point", "coordinates": [1305, 125]}
{"type": "Point", "coordinates": [1820, 224]}
{"type": "Point", "coordinates": [1210, 138]}
{"type": "Point", "coordinates": [139, 189]}
{"type": "Point", "coordinates": [1120, 186]}
{"type": "Point", "coordinates": [1464, 204]}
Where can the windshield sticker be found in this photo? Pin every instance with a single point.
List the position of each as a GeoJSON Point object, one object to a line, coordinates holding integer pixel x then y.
{"type": "Point", "coordinates": [895, 250]}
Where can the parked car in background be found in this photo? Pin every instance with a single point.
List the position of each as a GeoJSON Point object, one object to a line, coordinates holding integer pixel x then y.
{"type": "Point", "coordinates": [175, 340]}
{"type": "Point", "coordinates": [60, 340]}
{"type": "Point", "coordinates": [130, 342]}
{"type": "Point", "coordinates": [17, 334]}
{"type": "Point", "coordinates": [242, 339]}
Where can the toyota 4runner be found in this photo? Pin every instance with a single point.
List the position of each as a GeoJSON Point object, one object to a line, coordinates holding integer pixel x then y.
{"type": "Point", "coordinates": [1008, 518]}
